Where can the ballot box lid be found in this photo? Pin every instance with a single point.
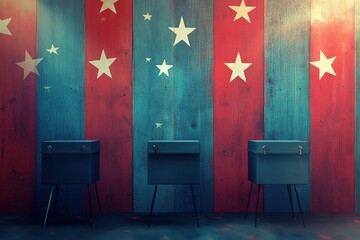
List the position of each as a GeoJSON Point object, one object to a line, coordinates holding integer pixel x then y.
{"type": "Point", "coordinates": [278, 147]}
{"type": "Point", "coordinates": [70, 146]}
{"type": "Point", "coordinates": [173, 147]}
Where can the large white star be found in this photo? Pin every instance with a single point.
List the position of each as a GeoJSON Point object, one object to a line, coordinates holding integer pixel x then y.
{"type": "Point", "coordinates": [238, 68]}
{"type": "Point", "coordinates": [103, 64]}
{"type": "Point", "coordinates": [4, 26]}
{"type": "Point", "coordinates": [316, 14]}
{"type": "Point", "coordinates": [182, 32]}
{"type": "Point", "coordinates": [108, 4]}
{"type": "Point", "coordinates": [164, 68]}
{"type": "Point", "coordinates": [324, 65]}
{"type": "Point", "coordinates": [29, 64]}
{"type": "Point", "coordinates": [242, 11]}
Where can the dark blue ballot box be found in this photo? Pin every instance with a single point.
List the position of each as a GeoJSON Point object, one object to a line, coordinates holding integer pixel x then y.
{"type": "Point", "coordinates": [70, 162]}
{"type": "Point", "coordinates": [173, 162]}
{"type": "Point", "coordinates": [278, 162]}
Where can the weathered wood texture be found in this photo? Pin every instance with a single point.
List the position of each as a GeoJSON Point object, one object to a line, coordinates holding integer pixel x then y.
{"type": "Point", "coordinates": [238, 105]}
{"type": "Point", "coordinates": [332, 109]}
{"type": "Point", "coordinates": [108, 100]}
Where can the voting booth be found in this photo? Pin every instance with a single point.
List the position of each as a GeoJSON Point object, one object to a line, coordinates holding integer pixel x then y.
{"type": "Point", "coordinates": [173, 162]}
{"type": "Point", "coordinates": [278, 162]}
{"type": "Point", "coordinates": [70, 162]}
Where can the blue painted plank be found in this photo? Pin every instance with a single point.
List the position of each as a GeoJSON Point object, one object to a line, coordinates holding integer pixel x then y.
{"type": "Point", "coordinates": [193, 97]}
{"type": "Point", "coordinates": [286, 106]}
{"type": "Point", "coordinates": [153, 96]}
{"type": "Point", "coordinates": [60, 88]}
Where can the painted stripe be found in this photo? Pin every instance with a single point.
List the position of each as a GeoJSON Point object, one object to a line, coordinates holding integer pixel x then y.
{"type": "Point", "coordinates": [194, 107]}
{"type": "Point", "coordinates": [238, 105]}
{"type": "Point", "coordinates": [60, 88]}
{"type": "Point", "coordinates": [332, 109]}
{"type": "Point", "coordinates": [108, 100]}
{"type": "Point", "coordinates": [286, 106]}
{"type": "Point", "coordinates": [17, 108]}
{"type": "Point", "coordinates": [357, 109]}
{"type": "Point", "coordinates": [153, 96]}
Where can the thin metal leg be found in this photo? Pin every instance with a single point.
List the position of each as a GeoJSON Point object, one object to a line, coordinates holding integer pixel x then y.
{"type": "Point", "coordinates": [290, 199]}
{"type": "Point", "coordinates": [257, 203]}
{"type": "Point", "coordinates": [297, 196]}
{"type": "Point", "coordinates": [91, 219]}
{"type": "Point", "coordinates": [247, 206]}
{"type": "Point", "coordinates": [57, 189]}
{"type": "Point", "coordinates": [152, 205]}
{"type": "Point", "coordinates": [48, 206]}
{"type": "Point", "coordinates": [97, 195]}
{"type": "Point", "coordinates": [193, 198]}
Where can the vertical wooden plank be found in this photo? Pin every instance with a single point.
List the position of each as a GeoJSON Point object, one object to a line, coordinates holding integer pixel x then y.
{"type": "Point", "coordinates": [17, 106]}
{"type": "Point", "coordinates": [238, 104]}
{"type": "Point", "coordinates": [108, 99]}
{"type": "Point", "coordinates": [332, 131]}
{"type": "Point", "coordinates": [60, 88]}
{"type": "Point", "coordinates": [286, 106]}
{"type": "Point", "coordinates": [357, 108]}
{"type": "Point", "coordinates": [153, 109]}
{"type": "Point", "coordinates": [194, 96]}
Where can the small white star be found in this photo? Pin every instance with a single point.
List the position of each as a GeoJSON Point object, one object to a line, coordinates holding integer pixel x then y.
{"type": "Point", "coordinates": [108, 4]}
{"type": "Point", "coordinates": [158, 125]}
{"type": "Point", "coordinates": [147, 59]}
{"type": "Point", "coordinates": [47, 88]}
{"type": "Point", "coordinates": [147, 16]}
{"type": "Point", "coordinates": [324, 65]}
{"type": "Point", "coordinates": [103, 64]}
{"type": "Point", "coordinates": [53, 49]}
{"type": "Point", "coordinates": [238, 68]}
{"type": "Point", "coordinates": [29, 64]}
{"type": "Point", "coordinates": [316, 14]}
{"type": "Point", "coordinates": [4, 26]}
{"type": "Point", "coordinates": [182, 32]}
{"type": "Point", "coordinates": [164, 68]}
{"type": "Point", "coordinates": [242, 11]}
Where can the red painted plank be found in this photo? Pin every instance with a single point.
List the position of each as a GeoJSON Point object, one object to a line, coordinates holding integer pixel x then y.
{"type": "Point", "coordinates": [332, 108]}
{"type": "Point", "coordinates": [108, 100]}
{"type": "Point", "coordinates": [17, 109]}
{"type": "Point", "coordinates": [238, 105]}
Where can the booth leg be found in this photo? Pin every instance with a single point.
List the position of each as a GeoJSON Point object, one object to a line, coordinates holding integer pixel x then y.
{"type": "Point", "coordinates": [152, 205]}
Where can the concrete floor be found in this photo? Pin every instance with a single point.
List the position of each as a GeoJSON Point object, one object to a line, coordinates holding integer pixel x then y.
{"type": "Point", "coordinates": [213, 226]}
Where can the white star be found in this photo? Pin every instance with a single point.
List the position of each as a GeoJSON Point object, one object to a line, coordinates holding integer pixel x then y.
{"type": "Point", "coordinates": [182, 32]}
{"type": "Point", "coordinates": [164, 68]}
{"type": "Point", "coordinates": [108, 4]}
{"type": "Point", "coordinates": [158, 125]}
{"type": "Point", "coordinates": [4, 26]}
{"type": "Point", "coordinates": [29, 64]}
{"type": "Point", "coordinates": [242, 11]}
{"type": "Point", "coordinates": [324, 65]}
{"type": "Point", "coordinates": [316, 14]}
{"type": "Point", "coordinates": [47, 88]}
{"type": "Point", "coordinates": [147, 16]}
{"type": "Point", "coordinates": [147, 59]}
{"type": "Point", "coordinates": [53, 49]}
{"type": "Point", "coordinates": [238, 68]}
{"type": "Point", "coordinates": [103, 64]}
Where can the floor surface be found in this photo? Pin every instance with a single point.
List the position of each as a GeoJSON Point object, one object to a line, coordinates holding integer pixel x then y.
{"type": "Point", "coordinates": [213, 226]}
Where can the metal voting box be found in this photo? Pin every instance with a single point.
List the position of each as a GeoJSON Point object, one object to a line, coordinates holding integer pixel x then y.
{"type": "Point", "coordinates": [70, 161]}
{"type": "Point", "coordinates": [278, 161]}
{"type": "Point", "coordinates": [173, 162]}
